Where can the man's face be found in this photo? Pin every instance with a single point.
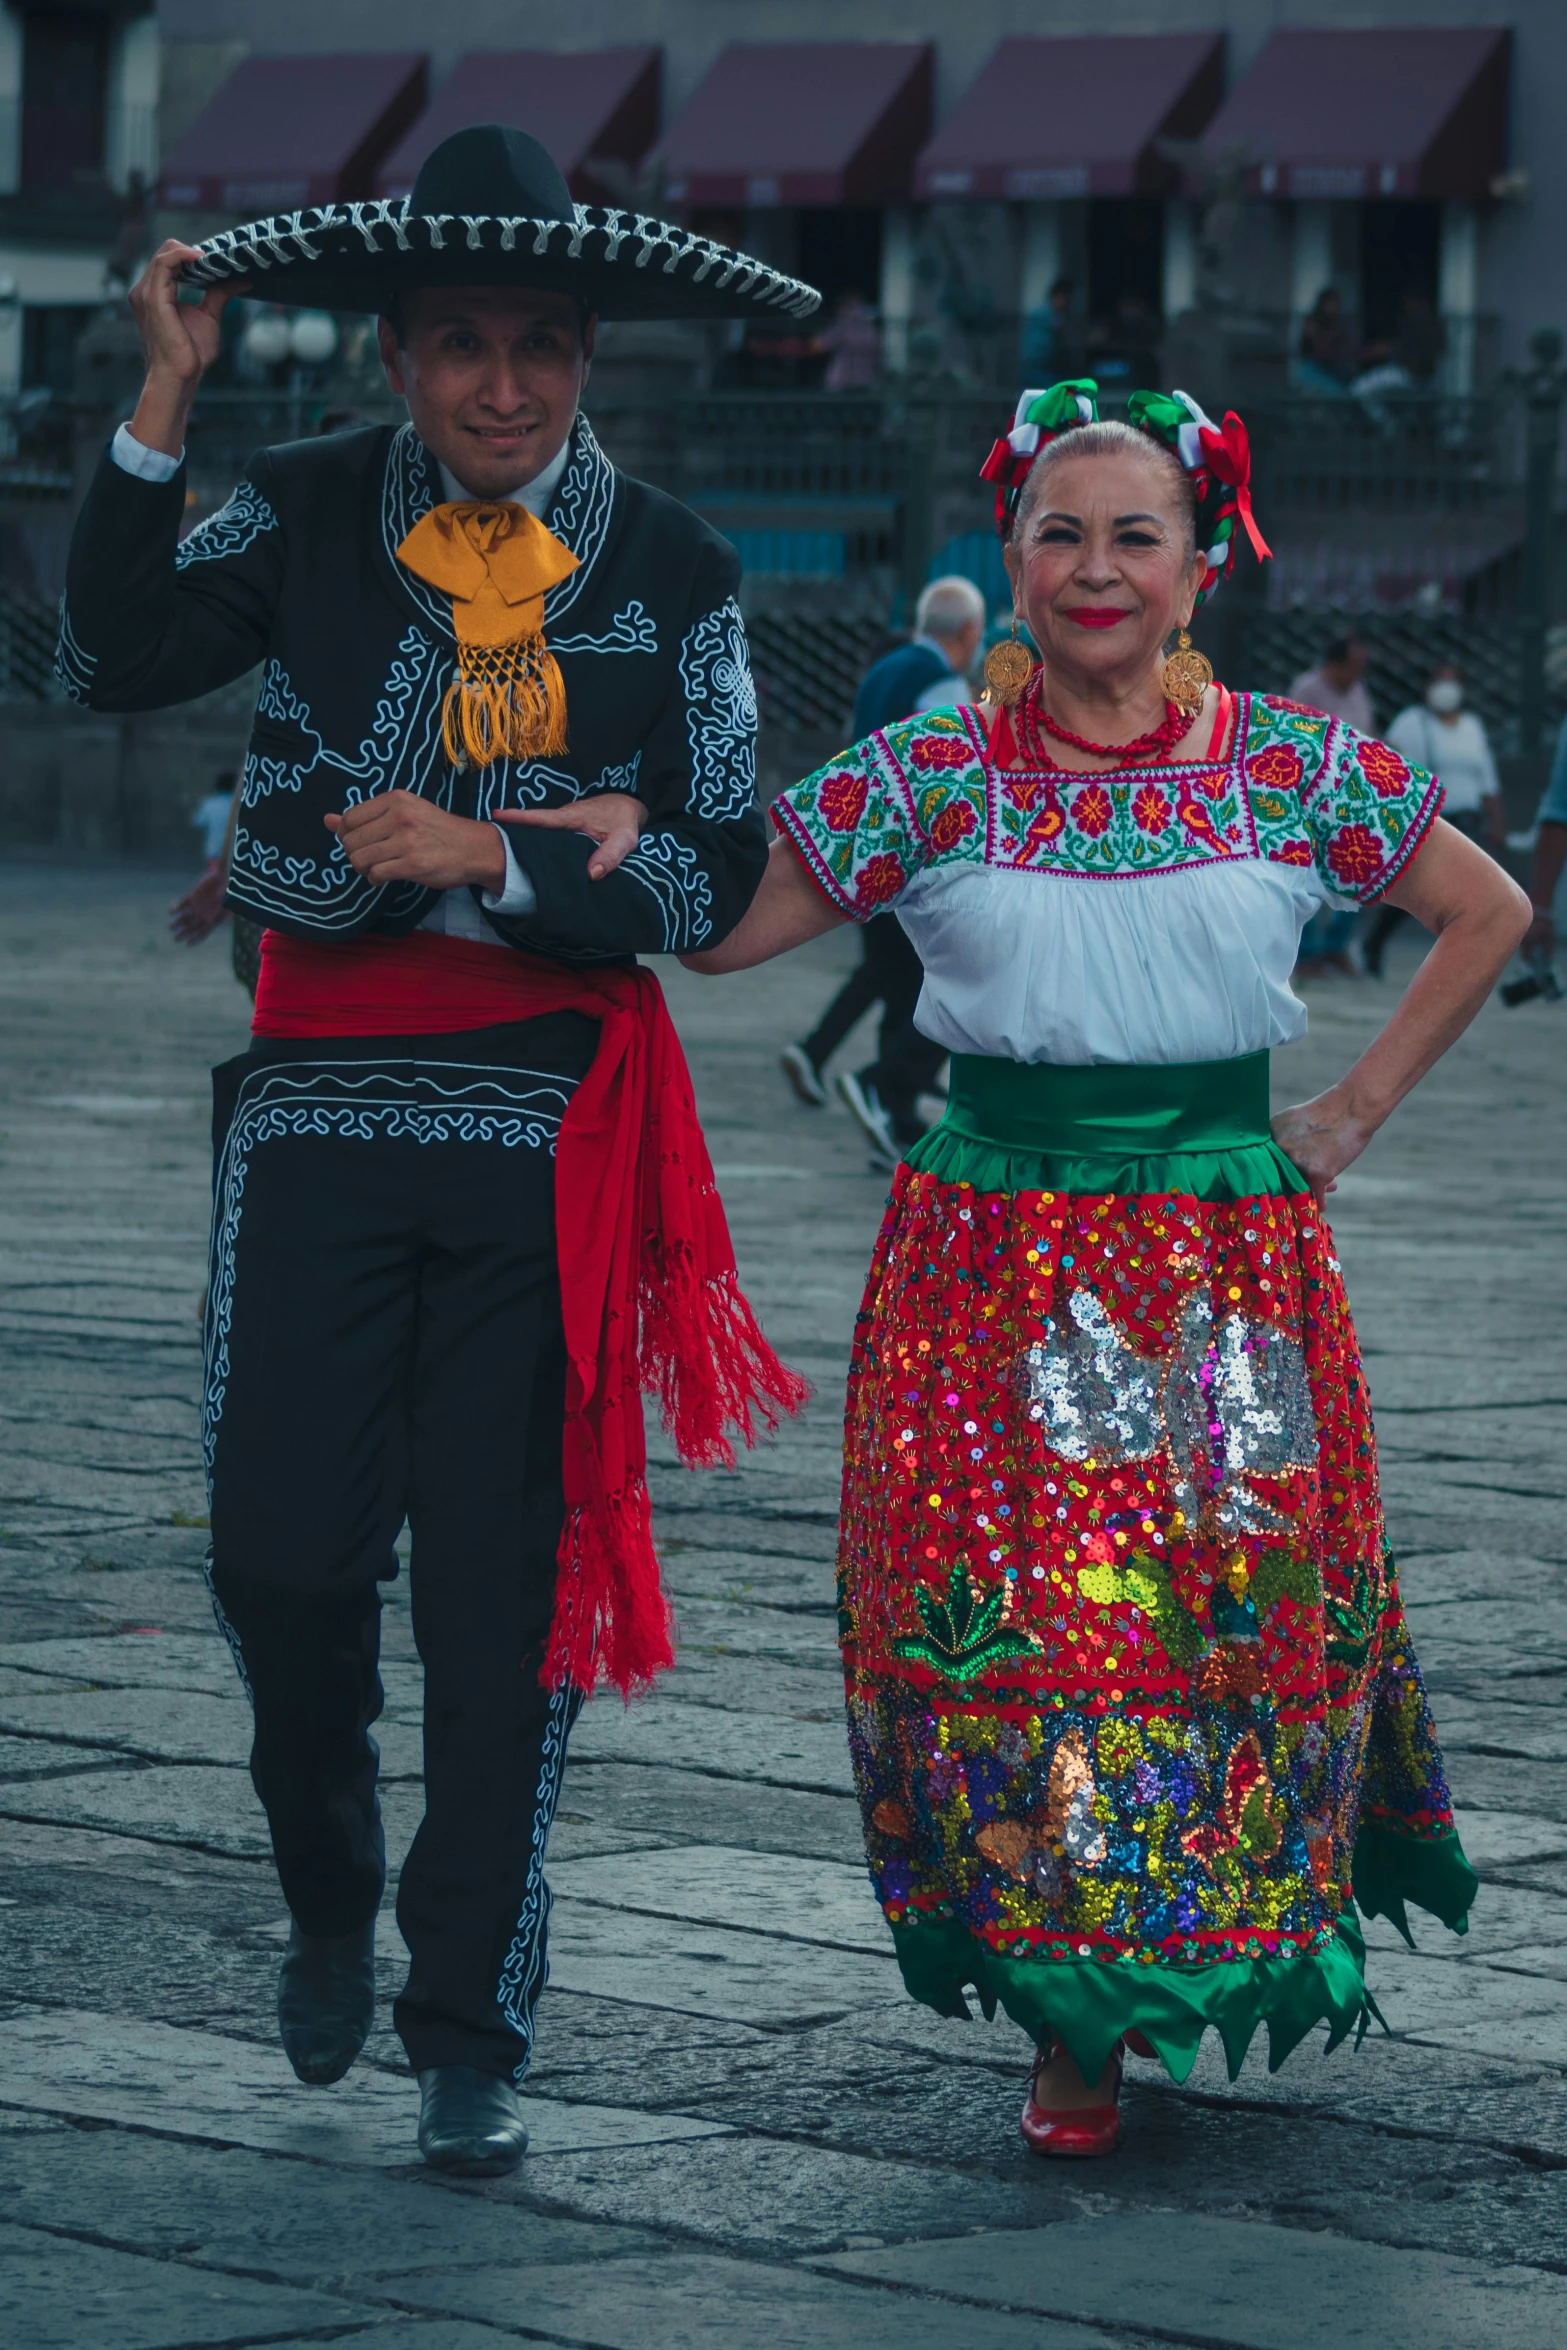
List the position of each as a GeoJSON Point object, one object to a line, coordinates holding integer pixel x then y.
{"type": "Point", "coordinates": [492, 376]}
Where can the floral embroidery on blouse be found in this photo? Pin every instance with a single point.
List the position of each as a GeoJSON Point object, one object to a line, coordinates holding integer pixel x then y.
{"type": "Point", "coordinates": [1297, 789]}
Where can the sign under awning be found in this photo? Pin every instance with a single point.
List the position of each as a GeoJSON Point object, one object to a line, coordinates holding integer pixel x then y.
{"type": "Point", "coordinates": [587, 106]}
{"type": "Point", "coordinates": [1076, 117]}
{"type": "Point", "coordinates": [1379, 113]}
{"type": "Point", "coordinates": [284, 132]}
{"type": "Point", "coordinates": [803, 122]}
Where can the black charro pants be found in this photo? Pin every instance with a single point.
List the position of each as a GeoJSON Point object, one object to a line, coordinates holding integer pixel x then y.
{"type": "Point", "coordinates": [384, 1343]}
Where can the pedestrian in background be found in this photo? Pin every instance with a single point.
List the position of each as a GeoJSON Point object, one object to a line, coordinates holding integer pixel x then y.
{"type": "Point", "coordinates": [197, 914]}
{"type": "Point", "coordinates": [1439, 734]}
{"type": "Point", "coordinates": [1053, 342]}
{"type": "Point", "coordinates": [1326, 359]}
{"type": "Point", "coordinates": [1550, 855]}
{"type": "Point", "coordinates": [929, 673]}
{"type": "Point", "coordinates": [1336, 686]}
{"type": "Point", "coordinates": [853, 343]}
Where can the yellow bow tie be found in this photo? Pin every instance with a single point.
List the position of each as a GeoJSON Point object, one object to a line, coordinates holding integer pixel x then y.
{"type": "Point", "coordinates": [496, 562]}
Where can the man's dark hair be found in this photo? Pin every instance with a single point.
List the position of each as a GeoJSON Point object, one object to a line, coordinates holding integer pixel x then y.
{"type": "Point", "coordinates": [1341, 648]}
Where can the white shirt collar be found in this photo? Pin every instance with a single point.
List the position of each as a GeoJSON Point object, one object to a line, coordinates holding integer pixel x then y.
{"type": "Point", "coordinates": [535, 494]}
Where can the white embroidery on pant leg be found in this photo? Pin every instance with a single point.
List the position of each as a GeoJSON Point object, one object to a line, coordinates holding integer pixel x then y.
{"type": "Point", "coordinates": [527, 1969]}
{"type": "Point", "coordinates": [362, 1102]}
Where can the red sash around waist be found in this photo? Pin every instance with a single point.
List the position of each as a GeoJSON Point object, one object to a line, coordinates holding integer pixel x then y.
{"type": "Point", "coordinates": [649, 1292]}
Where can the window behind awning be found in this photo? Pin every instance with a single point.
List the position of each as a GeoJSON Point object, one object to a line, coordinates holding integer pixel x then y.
{"type": "Point", "coordinates": [1382, 113]}
{"type": "Point", "coordinates": [584, 105]}
{"type": "Point", "coordinates": [802, 122]}
{"type": "Point", "coordinates": [1076, 117]}
{"type": "Point", "coordinates": [284, 132]}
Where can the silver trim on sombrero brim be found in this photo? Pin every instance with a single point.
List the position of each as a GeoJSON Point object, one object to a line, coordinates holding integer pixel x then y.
{"type": "Point", "coordinates": [286, 237]}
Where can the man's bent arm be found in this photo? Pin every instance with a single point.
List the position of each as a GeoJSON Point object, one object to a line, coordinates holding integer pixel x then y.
{"type": "Point", "coordinates": [146, 622]}
{"type": "Point", "coordinates": [697, 864]}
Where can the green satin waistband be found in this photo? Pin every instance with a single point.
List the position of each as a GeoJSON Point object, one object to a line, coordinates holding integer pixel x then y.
{"type": "Point", "coordinates": [1199, 1127]}
{"type": "Point", "coordinates": [1184, 1106]}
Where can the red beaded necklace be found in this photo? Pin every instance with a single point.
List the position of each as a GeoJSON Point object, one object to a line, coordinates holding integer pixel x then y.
{"type": "Point", "coordinates": [1032, 715]}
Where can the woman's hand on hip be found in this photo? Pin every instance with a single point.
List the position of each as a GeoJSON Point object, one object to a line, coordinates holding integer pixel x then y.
{"type": "Point", "coordinates": [1323, 1137]}
{"type": "Point", "coordinates": [612, 818]}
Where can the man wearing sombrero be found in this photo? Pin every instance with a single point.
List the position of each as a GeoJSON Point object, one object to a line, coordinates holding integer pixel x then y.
{"type": "Point", "coordinates": [463, 1210]}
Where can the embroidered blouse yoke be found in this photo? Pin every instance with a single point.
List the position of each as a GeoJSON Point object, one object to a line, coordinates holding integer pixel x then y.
{"type": "Point", "coordinates": [1139, 917]}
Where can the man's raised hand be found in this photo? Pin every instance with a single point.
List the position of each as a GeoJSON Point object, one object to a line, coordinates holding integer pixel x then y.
{"type": "Point", "coordinates": [180, 341]}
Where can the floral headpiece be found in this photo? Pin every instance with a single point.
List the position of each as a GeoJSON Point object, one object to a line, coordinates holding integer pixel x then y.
{"type": "Point", "coordinates": [1216, 457]}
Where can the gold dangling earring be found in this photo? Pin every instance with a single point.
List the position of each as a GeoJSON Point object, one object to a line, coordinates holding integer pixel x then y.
{"type": "Point", "coordinates": [1186, 677]}
{"type": "Point", "coordinates": [1008, 668]}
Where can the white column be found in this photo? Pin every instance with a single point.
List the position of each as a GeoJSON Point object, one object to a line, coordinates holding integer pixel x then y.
{"type": "Point", "coordinates": [10, 101]}
{"type": "Point", "coordinates": [131, 131]}
{"type": "Point", "coordinates": [1458, 293]}
{"type": "Point", "coordinates": [896, 294]}
{"type": "Point", "coordinates": [1042, 256]}
{"type": "Point", "coordinates": [1179, 275]}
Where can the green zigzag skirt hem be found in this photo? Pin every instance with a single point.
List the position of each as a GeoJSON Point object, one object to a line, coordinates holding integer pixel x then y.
{"type": "Point", "coordinates": [1090, 2003]}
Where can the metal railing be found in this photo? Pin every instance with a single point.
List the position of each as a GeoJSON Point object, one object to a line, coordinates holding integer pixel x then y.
{"type": "Point", "coordinates": [1375, 503]}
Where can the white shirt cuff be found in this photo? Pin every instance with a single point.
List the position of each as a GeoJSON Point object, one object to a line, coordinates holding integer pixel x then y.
{"type": "Point", "coordinates": [517, 894]}
{"type": "Point", "coordinates": [131, 456]}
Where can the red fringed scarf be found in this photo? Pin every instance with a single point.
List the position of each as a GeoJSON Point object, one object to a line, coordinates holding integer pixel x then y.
{"type": "Point", "coordinates": [649, 1291]}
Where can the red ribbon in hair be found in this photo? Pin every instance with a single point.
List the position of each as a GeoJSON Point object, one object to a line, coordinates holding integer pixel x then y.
{"type": "Point", "coordinates": [1226, 452]}
{"type": "Point", "coordinates": [649, 1292]}
{"type": "Point", "coordinates": [1008, 471]}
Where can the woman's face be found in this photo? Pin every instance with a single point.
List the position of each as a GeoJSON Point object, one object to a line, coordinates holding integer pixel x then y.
{"type": "Point", "coordinates": [1099, 566]}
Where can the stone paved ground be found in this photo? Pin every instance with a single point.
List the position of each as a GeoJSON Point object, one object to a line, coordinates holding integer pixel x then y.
{"type": "Point", "coordinates": [743, 2134]}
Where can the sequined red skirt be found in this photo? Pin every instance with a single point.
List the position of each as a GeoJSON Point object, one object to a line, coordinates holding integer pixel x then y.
{"type": "Point", "coordinates": [1135, 1718]}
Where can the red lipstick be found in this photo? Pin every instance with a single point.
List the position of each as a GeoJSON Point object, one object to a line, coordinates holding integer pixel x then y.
{"type": "Point", "coordinates": [1096, 616]}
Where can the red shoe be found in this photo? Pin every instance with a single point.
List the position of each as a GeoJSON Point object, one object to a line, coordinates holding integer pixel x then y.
{"type": "Point", "coordinates": [1088, 2130]}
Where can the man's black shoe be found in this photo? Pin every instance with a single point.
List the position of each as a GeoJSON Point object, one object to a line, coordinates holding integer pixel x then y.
{"type": "Point", "coordinates": [326, 2001]}
{"type": "Point", "coordinates": [469, 2122]}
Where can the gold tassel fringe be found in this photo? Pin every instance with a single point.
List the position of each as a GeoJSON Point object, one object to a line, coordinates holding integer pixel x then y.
{"type": "Point", "coordinates": [506, 701]}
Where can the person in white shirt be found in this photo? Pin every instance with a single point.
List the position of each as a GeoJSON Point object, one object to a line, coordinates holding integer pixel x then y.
{"type": "Point", "coordinates": [1451, 743]}
{"type": "Point", "coordinates": [1338, 685]}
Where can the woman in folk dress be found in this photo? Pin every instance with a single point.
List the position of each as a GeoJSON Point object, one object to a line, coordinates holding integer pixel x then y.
{"type": "Point", "coordinates": [1136, 1721]}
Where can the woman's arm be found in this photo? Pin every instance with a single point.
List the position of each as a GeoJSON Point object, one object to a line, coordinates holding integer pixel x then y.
{"type": "Point", "coordinates": [787, 909]}
{"type": "Point", "coordinates": [1478, 916]}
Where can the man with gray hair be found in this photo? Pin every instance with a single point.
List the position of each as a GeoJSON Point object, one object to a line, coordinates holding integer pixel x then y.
{"type": "Point", "coordinates": [928, 673]}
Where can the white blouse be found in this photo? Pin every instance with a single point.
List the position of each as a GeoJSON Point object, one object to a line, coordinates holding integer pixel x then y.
{"type": "Point", "coordinates": [1144, 916]}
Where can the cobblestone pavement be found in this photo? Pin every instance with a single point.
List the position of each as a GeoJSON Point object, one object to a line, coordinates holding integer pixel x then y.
{"type": "Point", "coordinates": [743, 2133]}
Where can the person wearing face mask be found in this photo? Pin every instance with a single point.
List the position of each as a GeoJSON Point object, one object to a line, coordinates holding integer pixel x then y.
{"type": "Point", "coordinates": [1439, 734]}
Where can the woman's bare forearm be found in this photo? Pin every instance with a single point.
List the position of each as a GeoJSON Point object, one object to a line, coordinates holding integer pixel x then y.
{"type": "Point", "coordinates": [1471, 952]}
{"type": "Point", "coordinates": [787, 910]}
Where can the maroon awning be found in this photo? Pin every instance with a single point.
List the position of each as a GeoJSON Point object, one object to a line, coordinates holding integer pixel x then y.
{"type": "Point", "coordinates": [1417, 113]}
{"type": "Point", "coordinates": [803, 122]}
{"type": "Point", "coordinates": [289, 131]}
{"type": "Point", "coordinates": [584, 105]}
{"type": "Point", "coordinates": [1076, 117]}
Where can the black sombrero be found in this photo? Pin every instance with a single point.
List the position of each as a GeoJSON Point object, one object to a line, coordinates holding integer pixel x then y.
{"type": "Point", "coordinates": [489, 207]}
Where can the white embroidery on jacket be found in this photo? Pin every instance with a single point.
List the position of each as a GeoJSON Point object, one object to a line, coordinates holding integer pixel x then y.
{"type": "Point", "coordinates": [715, 671]}
{"type": "Point", "coordinates": [229, 531]}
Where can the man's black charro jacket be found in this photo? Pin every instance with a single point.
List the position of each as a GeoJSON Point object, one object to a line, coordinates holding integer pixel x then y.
{"type": "Point", "coordinates": [299, 572]}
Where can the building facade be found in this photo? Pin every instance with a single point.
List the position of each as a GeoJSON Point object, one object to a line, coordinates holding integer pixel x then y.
{"type": "Point", "coordinates": [79, 89]}
{"type": "Point", "coordinates": [1165, 227]}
